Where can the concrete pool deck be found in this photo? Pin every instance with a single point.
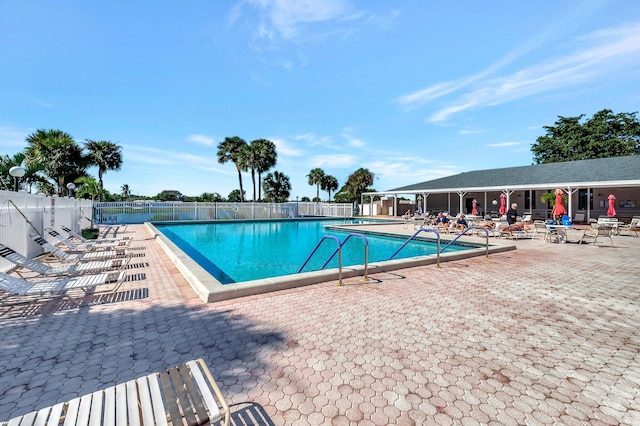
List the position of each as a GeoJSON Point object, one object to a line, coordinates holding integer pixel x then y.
{"type": "Point", "coordinates": [545, 334]}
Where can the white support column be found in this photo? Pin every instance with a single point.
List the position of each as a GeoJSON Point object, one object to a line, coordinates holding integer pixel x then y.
{"type": "Point", "coordinates": [461, 194]}
{"type": "Point", "coordinates": [570, 192]}
{"type": "Point", "coordinates": [485, 203]}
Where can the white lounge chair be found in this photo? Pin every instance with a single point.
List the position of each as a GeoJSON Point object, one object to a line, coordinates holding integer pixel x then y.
{"type": "Point", "coordinates": [87, 256]}
{"type": "Point", "coordinates": [183, 394]}
{"type": "Point", "coordinates": [87, 246]}
{"type": "Point", "coordinates": [72, 234]}
{"type": "Point", "coordinates": [67, 269]}
{"type": "Point", "coordinates": [58, 287]}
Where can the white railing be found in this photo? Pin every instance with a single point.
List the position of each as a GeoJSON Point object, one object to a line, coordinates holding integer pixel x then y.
{"type": "Point", "coordinates": [22, 214]}
{"type": "Point", "coordinates": [148, 211]}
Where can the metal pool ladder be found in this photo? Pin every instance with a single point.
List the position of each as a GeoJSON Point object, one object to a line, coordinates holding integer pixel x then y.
{"type": "Point", "coordinates": [415, 234]}
{"type": "Point", "coordinates": [338, 250]}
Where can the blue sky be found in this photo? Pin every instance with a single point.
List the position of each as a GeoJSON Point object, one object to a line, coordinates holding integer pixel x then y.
{"type": "Point", "coordinates": [412, 90]}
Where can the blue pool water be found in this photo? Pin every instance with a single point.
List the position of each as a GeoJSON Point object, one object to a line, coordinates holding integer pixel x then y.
{"type": "Point", "coordinates": [244, 251]}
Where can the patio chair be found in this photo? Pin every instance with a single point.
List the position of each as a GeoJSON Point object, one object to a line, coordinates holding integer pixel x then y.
{"type": "Point", "coordinates": [186, 393]}
{"type": "Point", "coordinates": [87, 256]}
{"type": "Point", "coordinates": [72, 234]}
{"type": "Point", "coordinates": [632, 227]}
{"type": "Point", "coordinates": [539, 228]}
{"type": "Point", "coordinates": [67, 269]}
{"type": "Point", "coordinates": [87, 246]}
{"type": "Point", "coordinates": [597, 231]}
{"type": "Point", "coordinates": [58, 287]}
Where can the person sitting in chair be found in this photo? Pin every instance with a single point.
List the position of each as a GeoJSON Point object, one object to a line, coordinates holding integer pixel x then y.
{"type": "Point", "coordinates": [442, 220]}
{"type": "Point", "coordinates": [461, 223]}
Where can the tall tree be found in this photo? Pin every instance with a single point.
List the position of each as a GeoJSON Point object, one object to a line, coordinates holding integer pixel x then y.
{"type": "Point", "coordinates": [277, 187]}
{"type": "Point", "coordinates": [315, 178]}
{"type": "Point", "coordinates": [232, 149]}
{"type": "Point", "coordinates": [251, 159]}
{"type": "Point", "coordinates": [329, 183]}
{"type": "Point", "coordinates": [105, 155]}
{"type": "Point", "coordinates": [6, 163]}
{"type": "Point", "coordinates": [125, 192]}
{"type": "Point", "coordinates": [235, 196]}
{"type": "Point", "coordinates": [61, 157]}
{"type": "Point", "coordinates": [357, 183]}
{"type": "Point", "coordinates": [266, 159]}
{"type": "Point", "coordinates": [604, 135]}
{"type": "Point", "coordinates": [88, 186]}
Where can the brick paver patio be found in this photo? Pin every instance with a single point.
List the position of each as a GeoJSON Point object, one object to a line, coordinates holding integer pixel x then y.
{"type": "Point", "coordinates": [546, 334]}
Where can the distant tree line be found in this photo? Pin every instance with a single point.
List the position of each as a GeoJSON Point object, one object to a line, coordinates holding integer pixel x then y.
{"type": "Point", "coordinates": [52, 160]}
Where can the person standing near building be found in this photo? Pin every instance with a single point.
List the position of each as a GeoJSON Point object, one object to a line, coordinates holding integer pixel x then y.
{"type": "Point", "coordinates": [512, 214]}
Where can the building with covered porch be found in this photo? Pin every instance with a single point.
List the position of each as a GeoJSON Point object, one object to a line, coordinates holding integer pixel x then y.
{"type": "Point", "coordinates": [586, 183]}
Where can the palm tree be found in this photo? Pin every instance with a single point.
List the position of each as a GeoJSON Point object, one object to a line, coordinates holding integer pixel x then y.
{"type": "Point", "coordinates": [60, 156]}
{"type": "Point", "coordinates": [6, 163]}
{"type": "Point", "coordinates": [126, 192]}
{"type": "Point", "coordinates": [87, 185]}
{"type": "Point", "coordinates": [249, 158]}
{"type": "Point", "coordinates": [315, 178]}
{"type": "Point", "coordinates": [277, 187]}
{"type": "Point", "coordinates": [231, 149]}
{"type": "Point", "coordinates": [105, 155]}
{"type": "Point", "coordinates": [358, 181]}
{"type": "Point", "coordinates": [329, 183]}
{"type": "Point", "coordinates": [266, 158]}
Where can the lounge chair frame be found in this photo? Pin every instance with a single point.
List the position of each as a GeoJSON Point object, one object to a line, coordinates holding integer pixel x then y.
{"type": "Point", "coordinates": [69, 269]}
{"type": "Point", "coordinates": [60, 286]}
{"type": "Point", "coordinates": [186, 393]}
{"type": "Point", "coordinates": [86, 256]}
{"type": "Point", "coordinates": [87, 246]}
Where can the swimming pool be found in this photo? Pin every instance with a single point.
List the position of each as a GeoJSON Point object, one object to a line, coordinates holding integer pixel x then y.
{"type": "Point", "coordinates": [243, 251]}
{"type": "Point", "coordinates": [209, 289]}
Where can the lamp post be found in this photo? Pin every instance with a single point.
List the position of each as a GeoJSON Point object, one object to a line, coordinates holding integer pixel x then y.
{"type": "Point", "coordinates": [495, 203]}
{"type": "Point", "coordinates": [17, 172]}
{"type": "Point", "coordinates": [71, 186]}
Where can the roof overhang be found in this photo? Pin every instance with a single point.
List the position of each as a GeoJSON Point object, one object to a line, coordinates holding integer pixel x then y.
{"type": "Point", "coordinates": [572, 185]}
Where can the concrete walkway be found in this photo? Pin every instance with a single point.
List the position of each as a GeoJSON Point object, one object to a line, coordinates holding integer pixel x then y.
{"type": "Point", "coordinates": [546, 334]}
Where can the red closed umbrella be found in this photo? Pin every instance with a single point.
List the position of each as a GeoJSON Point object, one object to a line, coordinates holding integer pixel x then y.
{"type": "Point", "coordinates": [611, 212]}
{"type": "Point", "coordinates": [474, 205]}
{"type": "Point", "coordinates": [558, 209]}
{"type": "Point", "coordinates": [503, 204]}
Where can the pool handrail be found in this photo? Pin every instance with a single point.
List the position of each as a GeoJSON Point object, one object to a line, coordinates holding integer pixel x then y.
{"type": "Point", "coordinates": [467, 230]}
{"type": "Point", "coordinates": [332, 237]}
{"type": "Point", "coordinates": [414, 236]}
{"type": "Point", "coordinates": [366, 252]}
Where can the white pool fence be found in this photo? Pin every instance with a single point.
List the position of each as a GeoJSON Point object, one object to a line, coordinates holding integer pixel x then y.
{"type": "Point", "coordinates": [22, 214]}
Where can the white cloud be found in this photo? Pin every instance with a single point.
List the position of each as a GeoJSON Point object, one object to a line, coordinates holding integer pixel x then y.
{"type": "Point", "coordinates": [145, 155]}
{"type": "Point", "coordinates": [355, 143]}
{"type": "Point", "coordinates": [283, 149]}
{"type": "Point", "coordinates": [333, 161]}
{"type": "Point", "coordinates": [504, 144]}
{"type": "Point", "coordinates": [201, 139]}
{"type": "Point", "coordinates": [315, 140]}
{"type": "Point", "coordinates": [609, 52]}
{"type": "Point", "coordinates": [284, 18]}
